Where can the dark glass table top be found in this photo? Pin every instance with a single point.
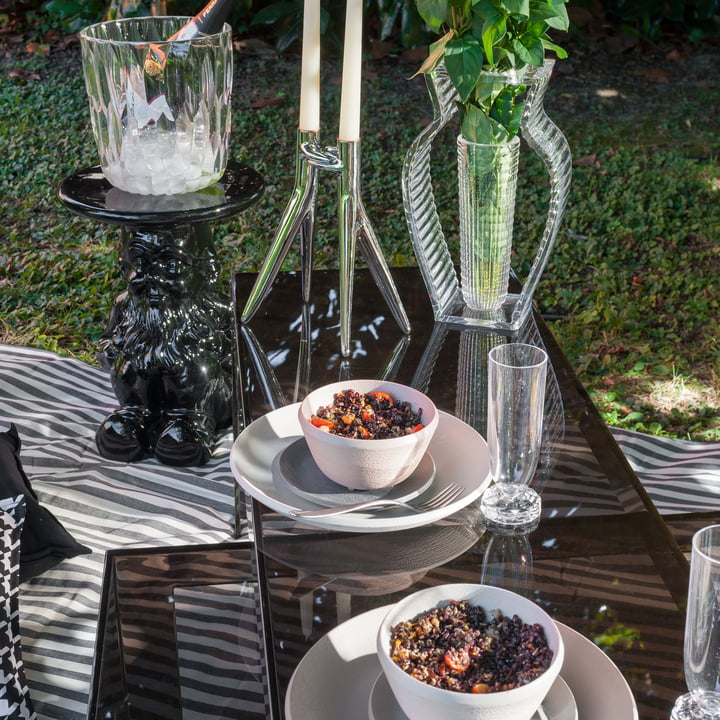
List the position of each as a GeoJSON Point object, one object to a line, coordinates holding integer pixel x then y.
{"type": "Point", "coordinates": [602, 560]}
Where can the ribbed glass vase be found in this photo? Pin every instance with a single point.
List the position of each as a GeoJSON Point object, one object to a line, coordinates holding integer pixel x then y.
{"type": "Point", "coordinates": [487, 184]}
{"type": "Point", "coordinates": [440, 268]}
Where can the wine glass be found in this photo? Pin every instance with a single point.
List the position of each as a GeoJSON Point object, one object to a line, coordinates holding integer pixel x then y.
{"type": "Point", "coordinates": [702, 631]}
{"type": "Point", "coordinates": [516, 401]}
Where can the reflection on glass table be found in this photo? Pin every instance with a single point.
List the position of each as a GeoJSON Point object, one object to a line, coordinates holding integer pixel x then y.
{"type": "Point", "coordinates": [601, 560]}
{"type": "Point", "coordinates": [181, 636]}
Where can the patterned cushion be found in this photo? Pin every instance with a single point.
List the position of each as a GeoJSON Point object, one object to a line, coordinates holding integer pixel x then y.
{"type": "Point", "coordinates": [14, 696]}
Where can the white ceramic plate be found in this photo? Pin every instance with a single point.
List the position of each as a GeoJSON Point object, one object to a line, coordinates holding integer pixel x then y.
{"type": "Point", "coordinates": [459, 452]}
{"type": "Point", "coordinates": [336, 677]}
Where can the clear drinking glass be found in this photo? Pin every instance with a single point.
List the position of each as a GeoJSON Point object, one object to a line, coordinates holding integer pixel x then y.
{"type": "Point", "coordinates": [702, 631]}
{"type": "Point", "coordinates": [516, 402]}
{"type": "Point", "coordinates": [158, 130]}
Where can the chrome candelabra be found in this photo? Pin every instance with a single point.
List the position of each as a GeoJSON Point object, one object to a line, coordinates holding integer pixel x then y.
{"type": "Point", "coordinates": [354, 231]}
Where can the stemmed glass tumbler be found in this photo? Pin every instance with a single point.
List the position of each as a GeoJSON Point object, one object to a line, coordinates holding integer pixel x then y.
{"type": "Point", "coordinates": [702, 631]}
{"type": "Point", "coordinates": [516, 403]}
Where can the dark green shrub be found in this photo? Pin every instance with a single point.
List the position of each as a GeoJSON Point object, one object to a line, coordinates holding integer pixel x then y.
{"type": "Point", "coordinates": [73, 15]}
{"type": "Point", "coordinates": [651, 19]}
{"type": "Point", "coordinates": [395, 20]}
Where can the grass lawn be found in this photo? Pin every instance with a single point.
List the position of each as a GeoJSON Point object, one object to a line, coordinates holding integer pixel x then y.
{"type": "Point", "coordinates": [631, 287]}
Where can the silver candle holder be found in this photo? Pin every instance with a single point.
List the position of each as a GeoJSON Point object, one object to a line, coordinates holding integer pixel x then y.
{"type": "Point", "coordinates": [355, 232]}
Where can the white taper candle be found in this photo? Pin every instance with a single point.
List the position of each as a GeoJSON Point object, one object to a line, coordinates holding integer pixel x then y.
{"type": "Point", "coordinates": [351, 75]}
{"type": "Point", "coordinates": [310, 70]}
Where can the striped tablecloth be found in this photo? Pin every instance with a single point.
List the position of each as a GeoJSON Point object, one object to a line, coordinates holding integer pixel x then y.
{"type": "Point", "coordinates": [57, 403]}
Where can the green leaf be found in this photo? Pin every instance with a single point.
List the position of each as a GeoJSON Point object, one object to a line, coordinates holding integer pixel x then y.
{"type": "Point", "coordinates": [531, 31]}
{"type": "Point", "coordinates": [290, 34]}
{"type": "Point", "coordinates": [477, 127]}
{"type": "Point", "coordinates": [553, 14]}
{"type": "Point", "coordinates": [273, 13]}
{"type": "Point", "coordinates": [634, 416]}
{"type": "Point", "coordinates": [518, 7]}
{"type": "Point", "coordinates": [433, 12]}
{"type": "Point", "coordinates": [464, 63]}
{"type": "Point", "coordinates": [487, 91]}
{"type": "Point", "coordinates": [561, 21]}
{"type": "Point", "coordinates": [493, 32]}
{"type": "Point", "coordinates": [534, 54]}
{"type": "Point", "coordinates": [508, 109]}
{"type": "Point", "coordinates": [504, 54]}
{"type": "Point", "coordinates": [486, 10]}
{"type": "Point", "coordinates": [560, 52]}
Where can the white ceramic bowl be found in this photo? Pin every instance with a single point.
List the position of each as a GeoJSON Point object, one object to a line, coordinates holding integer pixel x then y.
{"type": "Point", "coordinates": [420, 701]}
{"type": "Point", "coordinates": [367, 464]}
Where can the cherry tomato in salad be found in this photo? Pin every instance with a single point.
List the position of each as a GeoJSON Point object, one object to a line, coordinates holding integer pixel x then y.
{"type": "Point", "coordinates": [381, 395]}
{"type": "Point", "coordinates": [321, 422]}
{"type": "Point", "coordinates": [457, 659]}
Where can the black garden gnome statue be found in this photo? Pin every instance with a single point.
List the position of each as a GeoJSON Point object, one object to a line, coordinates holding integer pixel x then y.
{"type": "Point", "coordinates": [168, 346]}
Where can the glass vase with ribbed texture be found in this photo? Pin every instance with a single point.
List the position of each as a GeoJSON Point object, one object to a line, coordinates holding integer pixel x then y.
{"type": "Point", "coordinates": [438, 265]}
{"type": "Point", "coordinates": [487, 184]}
{"type": "Point", "coordinates": [158, 133]}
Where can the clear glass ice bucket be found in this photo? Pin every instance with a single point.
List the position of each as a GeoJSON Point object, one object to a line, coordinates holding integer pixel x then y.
{"type": "Point", "coordinates": [161, 133]}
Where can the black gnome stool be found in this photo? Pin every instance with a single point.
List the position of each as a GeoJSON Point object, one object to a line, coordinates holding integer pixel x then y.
{"type": "Point", "coordinates": [169, 341]}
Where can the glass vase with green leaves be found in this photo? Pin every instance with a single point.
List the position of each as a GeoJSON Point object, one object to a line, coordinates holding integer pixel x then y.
{"type": "Point", "coordinates": [490, 66]}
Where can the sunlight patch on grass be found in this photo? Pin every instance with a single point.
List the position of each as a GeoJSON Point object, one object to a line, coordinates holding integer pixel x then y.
{"type": "Point", "coordinates": [681, 393]}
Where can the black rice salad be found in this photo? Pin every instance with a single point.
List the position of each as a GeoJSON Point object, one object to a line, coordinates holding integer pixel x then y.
{"type": "Point", "coordinates": [457, 647]}
{"type": "Point", "coordinates": [367, 416]}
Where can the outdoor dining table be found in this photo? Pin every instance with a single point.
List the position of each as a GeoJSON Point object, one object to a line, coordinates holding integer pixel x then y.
{"type": "Point", "coordinates": [602, 561]}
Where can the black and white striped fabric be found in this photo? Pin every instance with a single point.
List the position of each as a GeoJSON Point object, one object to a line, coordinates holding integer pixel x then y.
{"type": "Point", "coordinates": [680, 476]}
{"type": "Point", "coordinates": [57, 404]}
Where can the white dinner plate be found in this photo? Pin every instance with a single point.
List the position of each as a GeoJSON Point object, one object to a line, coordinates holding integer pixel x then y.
{"type": "Point", "coordinates": [459, 452]}
{"type": "Point", "coordinates": [336, 677]}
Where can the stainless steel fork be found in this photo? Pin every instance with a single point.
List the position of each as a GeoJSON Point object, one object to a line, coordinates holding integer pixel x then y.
{"type": "Point", "coordinates": [445, 496]}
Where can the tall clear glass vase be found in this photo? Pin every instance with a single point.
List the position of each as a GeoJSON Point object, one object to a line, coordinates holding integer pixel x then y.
{"type": "Point", "coordinates": [446, 287]}
{"type": "Point", "coordinates": [487, 184]}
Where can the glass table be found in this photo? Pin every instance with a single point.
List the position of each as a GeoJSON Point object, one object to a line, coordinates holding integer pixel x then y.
{"type": "Point", "coordinates": [602, 561]}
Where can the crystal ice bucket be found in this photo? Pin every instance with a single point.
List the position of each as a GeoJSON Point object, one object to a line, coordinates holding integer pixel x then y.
{"type": "Point", "coordinates": [159, 129]}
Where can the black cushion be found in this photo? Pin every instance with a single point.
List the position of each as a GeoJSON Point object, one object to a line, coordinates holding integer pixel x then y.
{"type": "Point", "coordinates": [44, 541]}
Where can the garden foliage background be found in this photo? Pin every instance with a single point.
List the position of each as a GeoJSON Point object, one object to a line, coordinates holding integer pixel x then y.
{"type": "Point", "coordinates": [631, 289]}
